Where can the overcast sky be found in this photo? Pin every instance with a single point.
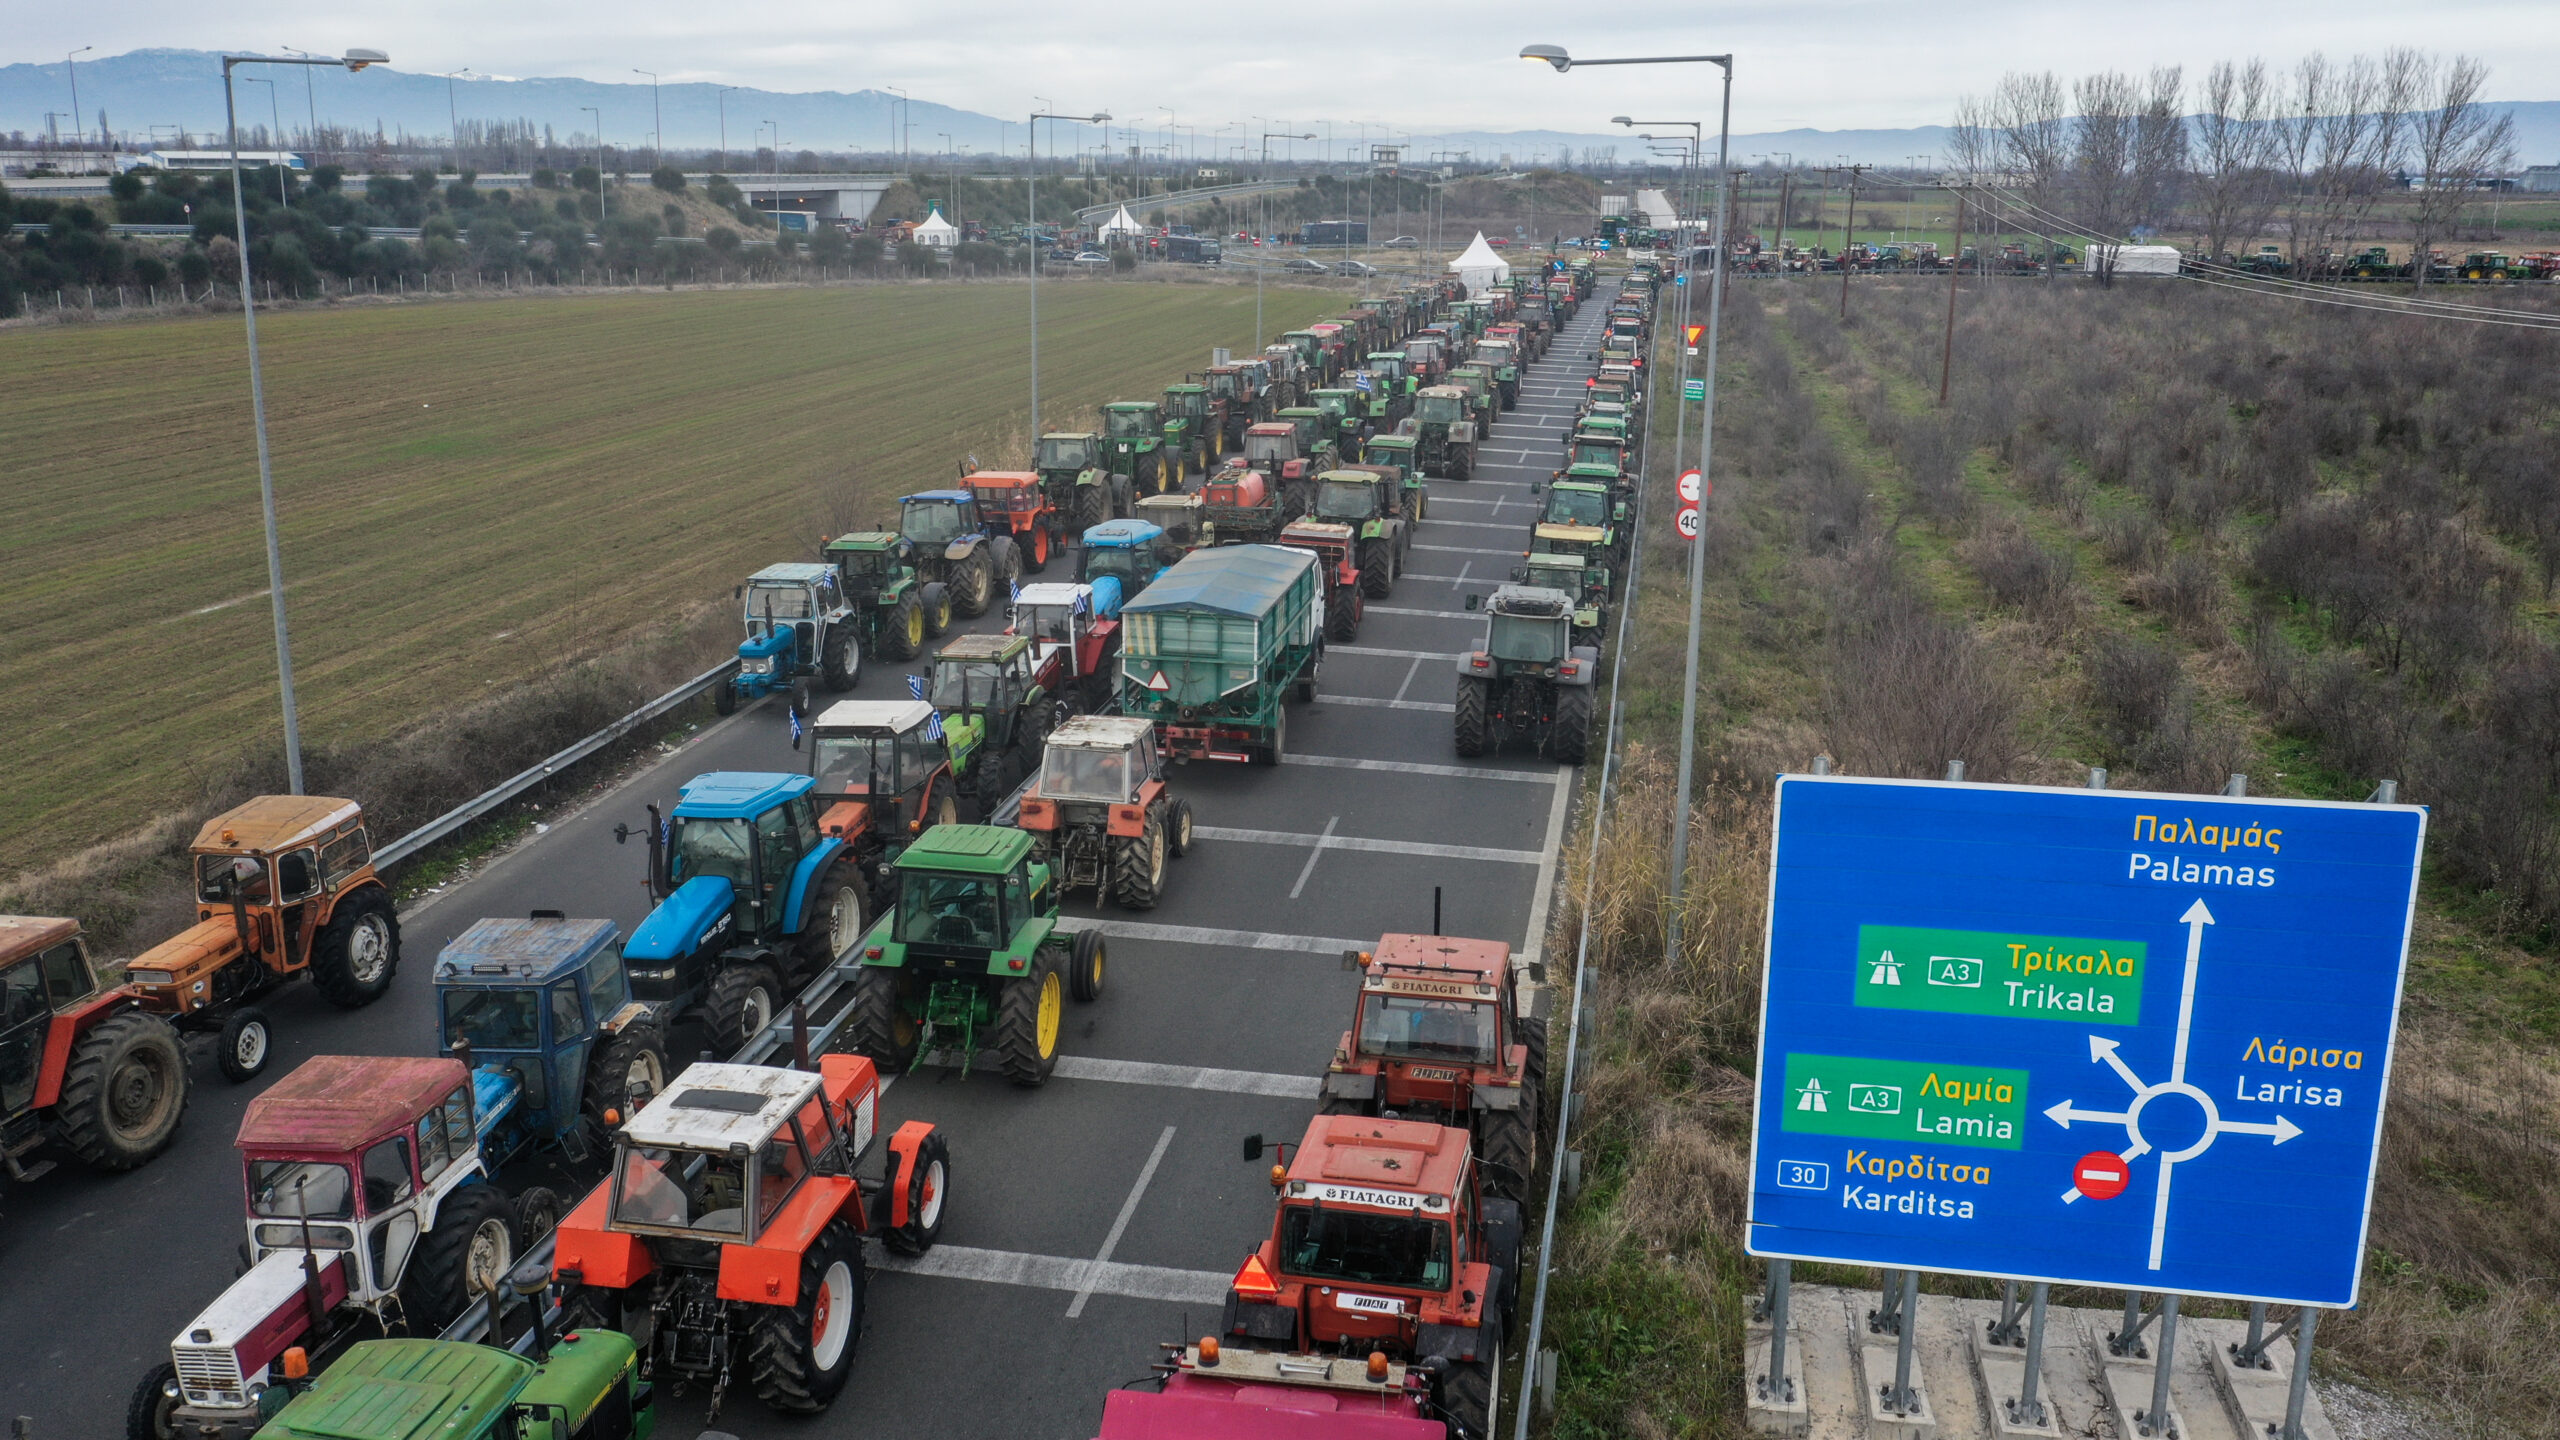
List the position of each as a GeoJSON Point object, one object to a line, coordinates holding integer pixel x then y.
{"type": "Point", "coordinates": [1430, 66]}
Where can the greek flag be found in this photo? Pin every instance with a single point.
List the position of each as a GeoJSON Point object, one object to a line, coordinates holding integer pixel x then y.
{"type": "Point", "coordinates": [933, 726]}
{"type": "Point", "coordinates": [795, 727]}
{"type": "Point", "coordinates": [915, 686]}
{"type": "Point", "coordinates": [1364, 382]}
{"type": "Point", "coordinates": [1016, 587]}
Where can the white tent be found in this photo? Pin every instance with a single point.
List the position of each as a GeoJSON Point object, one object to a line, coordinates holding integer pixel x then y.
{"type": "Point", "coordinates": [1122, 226]}
{"type": "Point", "coordinates": [937, 232]}
{"type": "Point", "coordinates": [1480, 269]}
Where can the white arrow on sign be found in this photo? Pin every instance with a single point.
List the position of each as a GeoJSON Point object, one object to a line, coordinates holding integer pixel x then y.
{"type": "Point", "coordinates": [1689, 486]}
{"type": "Point", "coordinates": [1687, 521]}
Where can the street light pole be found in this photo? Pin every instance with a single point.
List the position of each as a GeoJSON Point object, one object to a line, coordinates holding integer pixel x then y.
{"type": "Point", "coordinates": [78, 126]}
{"type": "Point", "coordinates": [599, 114]}
{"type": "Point", "coordinates": [353, 60]}
{"type": "Point", "coordinates": [453, 117]}
{"type": "Point", "coordinates": [1260, 242]}
{"type": "Point", "coordinates": [723, 99]}
{"type": "Point", "coordinates": [1031, 220]}
{"type": "Point", "coordinates": [278, 119]}
{"type": "Point", "coordinates": [897, 125]}
{"type": "Point", "coordinates": [657, 121]}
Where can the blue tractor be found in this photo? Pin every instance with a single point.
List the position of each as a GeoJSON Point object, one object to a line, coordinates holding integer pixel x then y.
{"type": "Point", "coordinates": [799, 630]}
{"type": "Point", "coordinates": [752, 897]}
{"type": "Point", "coordinates": [541, 1014]}
{"type": "Point", "coordinates": [1120, 558]}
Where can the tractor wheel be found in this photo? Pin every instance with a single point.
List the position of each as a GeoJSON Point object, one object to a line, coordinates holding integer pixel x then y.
{"type": "Point", "coordinates": [536, 1213]}
{"type": "Point", "coordinates": [152, 1413]}
{"type": "Point", "coordinates": [1029, 1012]}
{"type": "Point", "coordinates": [946, 809]}
{"type": "Point", "coordinates": [1533, 1033]}
{"type": "Point", "coordinates": [881, 1028]}
{"type": "Point", "coordinates": [123, 1091]}
{"type": "Point", "coordinates": [1466, 1398]}
{"type": "Point", "coordinates": [1006, 556]}
{"type": "Point", "coordinates": [936, 599]}
{"type": "Point", "coordinates": [1273, 753]}
{"type": "Point", "coordinates": [973, 585]}
{"type": "Point", "coordinates": [1146, 475]}
{"type": "Point", "coordinates": [992, 780]}
{"type": "Point", "coordinates": [1510, 1151]}
{"type": "Point", "coordinates": [1342, 616]}
{"type": "Point", "coordinates": [724, 698]}
{"type": "Point", "coordinates": [1178, 829]}
{"type": "Point", "coordinates": [1569, 737]}
{"type": "Point", "coordinates": [246, 1044]}
{"type": "Point", "coordinates": [1473, 725]}
{"type": "Point", "coordinates": [1377, 570]}
{"type": "Point", "coordinates": [831, 920]}
{"type": "Point", "coordinates": [1137, 867]}
{"type": "Point", "coordinates": [1462, 465]}
{"type": "Point", "coordinates": [1087, 958]}
{"type": "Point", "coordinates": [799, 1357]}
{"type": "Point", "coordinates": [1035, 556]}
{"type": "Point", "coordinates": [359, 952]}
{"type": "Point", "coordinates": [1123, 496]}
{"type": "Point", "coordinates": [928, 1188]}
{"type": "Point", "coordinates": [462, 1259]}
{"type": "Point", "coordinates": [841, 668]}
{"type": "Point", "coordinates": [632, 1061]}
{"type": "Point", "coordinates": [743, 1001]}
{"type": "Point", "coordinates": [1093, 506]}
{"type": "Point", "coordinates": [902, 629]}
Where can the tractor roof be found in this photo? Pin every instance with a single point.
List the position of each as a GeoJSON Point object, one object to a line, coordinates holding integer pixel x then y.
{"type": "Point", "coordinates": [738, 794]}
{"type": "Point", "coordinates": [402, 1390]}
{"type": "Point", "coordinates": [27, 934]}
{"type": "Point", "coordinates": [1393, 442]}
{"type": "Point", "coordinates": [1581, 478]}
{"type": "Point", "coordinates": [982, 647]}
{"type": "Point", "coordinates": [1307, 527]}
{"type": "Point", "coordinates": [1271, 427]}
{"type": "Point", "coordinates": [1101, 732]}
{"type": "Point", "coordinates": [863, 541]}
{"type": "Point", "coordinates": [1069, 435]}
{"type": "Point", "coordinates": [1414, 1163]}
{"type": "Point", "coordinates": [714, 1106]}
{"type": "Point", "coordinates": [1349, 476]}
{"type": "Point", "coordinates": [1133, 405]}
{"type": "Point", "coordinates": [1122, 534]}
{"type": "Point", "coordinates": [1539, 601]}
{"type": "Point", "coordinates": [1549, 560]}
{"type": "Point", "coordinates": [274, 822]}
{"type": "Point", "coordinates": [1186, 389]}
{"type": "Point", "coordinates": [1003, 479]}
{"type": "Point", "coordinates": [522, 952]}
{"type": "Point", "coordinates": [1447, 392]}
{"type": "Point", "coordinates": [339, 1102]}
{"type": "Point", "coordinates": [953, 496]}
{"type": "Point", "coordinates": [792, 572]}
{"type": "Point", "coordinates": [1396, 355]}
{"type": "Point", "coordinates": [895, 717]}
{"type": "Point", "coordinates": [1437, 959]}
{"type": "Point", "coordinates": [1052, 592]}
{"type": "Point", "coordinates": [970, 849]}
{"type": "Point", "coordinates": [1338, 392]}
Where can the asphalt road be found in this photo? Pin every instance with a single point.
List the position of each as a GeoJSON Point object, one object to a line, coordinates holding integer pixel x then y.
{"type": "Point", "coordinates": [1090, 1219]}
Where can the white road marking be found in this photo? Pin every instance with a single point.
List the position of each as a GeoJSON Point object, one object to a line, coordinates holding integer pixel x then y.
{"type": "Point", "coordinates": [1396, 654]}
{"type": "Point", "coordinates": [1189, 1077]}
{"type": "Point", "coordinates": [1056, 1272]}
{"type": "Point", "coordinates": [1463, 550]}
{"type": "Point", "coordinates": [1466, 500]}
{"type": "Point", "coordinates": [1331, 841]}
{"type": "Point", "coordinates": [1409, 672]}
{"type": "Point", "coordinates": [1224, 939]}
{"type": "Point", "coordinates": [1475, 525]}
{"type": "Point", "coordinates": [1415, 767]}
{"type": "Point", "coordinates": [1566, 776]}
{"type": "Point", "coordinates": [1120, 1226]}
{"type": "Point", "coordinates": [1318, 854]}
{"type": "Point", "coordinates": [1442, 614]}
{"type": "Point", "coordinates": [1372, 703]}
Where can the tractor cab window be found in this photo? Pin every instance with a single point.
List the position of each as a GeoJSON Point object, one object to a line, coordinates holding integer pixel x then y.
{"type": "Point", "coordinates": [500, 1020]}
{"type": "Point", "coordinates": [444, 1134]}
{"type": "Point", "coordinates": [919, 754]}
{"type": "Point", "coordinates": [1345, 500]}
{"type": "Point", "coordinates": [680, 1190]}
{"type": "Point", "coordinates": [1270, 447]}
{"type": "Point", "coordinates": [777, 846]}
{"type": "Point", "coordinates": [780, 602]}
{"type": "Point", "coordinates": [931, 522]}
{"type": "Point", "coordinates": [1110, 560]}
{"type": "Point", "coordinates": [292, 1189]}
{"type": "Point", "coordinates": [1401, 1027]}
{"type": "Point", "coordinates": [948, 910]}
{"type": "Point", "coordinates": [856, 764]}
{"type": "Point", "coordinates": [1077, 773]}
{"type": "Point", "coordinates": [1390, 366]}
{"type": "Point", "coordinates": [298, 874]}
{"type": "Point", "coordinates": [973, 683]}
{"type": "Point", "coordinates": [1594, 452]}
{"type": "Point", "coordinates": [863, 564]}
{"type": "Point", "coordinates": [1576, 507]}
{"type": "Point", "coordinates": [387, 1177]}
{"type": "Point", "coordinates": [344, 856]}
{"type": "Point", "coordinates": [567, 1021]}
{"type": "Point", "coordinates": [709, 847]}
{"type": "Point", "coordinates": [22, 995]}
{"type": "Point", "coordinates": [1222, 387]}
{"type": "Point", "coordinates": [999, 498]}
{"type": "Point", "coordinates": [1364, 1248]}
{"type": "Point", "coordinates": [607, 988]}
{"type": "Point", "coordinates": [1528, 640]}
{"type": "Point", "coordinates": [218, 877]}
{"type": "Point", "coordinates": [1066, 452]}
{"type": "Point", "coordinates": [780, 1167]}
{"type": "Point", "coordinates": [1128, 424]}
{"type": "Point", "coordinates": [1334, 404]}
{"type": "Point", "coordinates": [67, 980]}
{"type": "Point", "coordinates": [1052, 623]}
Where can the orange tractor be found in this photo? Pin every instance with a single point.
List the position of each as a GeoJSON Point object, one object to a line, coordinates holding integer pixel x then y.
{"type": "Point", "coordinates": [285, 887]}
{"type": "Point", "coordinates": [1013, 502]}
{"type": "Point", "coordinates": [80, 1065]}
{"type": "Point", "coordinates": [1440, 1034]}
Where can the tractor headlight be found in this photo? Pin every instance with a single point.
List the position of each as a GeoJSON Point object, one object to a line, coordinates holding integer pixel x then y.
{"type": "Point", "coordinates": [147, 977]}
{"type": "Point", "coordinates": [756, 667]}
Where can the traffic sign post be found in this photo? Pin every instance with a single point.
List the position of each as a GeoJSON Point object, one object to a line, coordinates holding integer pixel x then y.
{"type": "Point", "coordinates": [2104, 1038]}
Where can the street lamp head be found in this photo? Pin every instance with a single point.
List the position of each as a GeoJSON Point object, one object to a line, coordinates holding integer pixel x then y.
{"type": "Point", "coordinates": [1552, 54]}
{"type": "Point", "coordinates": [1620, 120]}
{"type": "Point", "coordinates": [1099, 116]}
{"type": "Point", "coordinates": [358, 59]}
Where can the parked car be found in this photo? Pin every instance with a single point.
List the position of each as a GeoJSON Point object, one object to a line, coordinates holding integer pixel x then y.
{"type": "Point", "coordinates": [1094, 260]}
{"type": "Point", "coordinates": [1304, 266]}
{"type": "Point", "coordinates": [1353, 267]}
{"type": "Point", "coordinates": [1404, 242]}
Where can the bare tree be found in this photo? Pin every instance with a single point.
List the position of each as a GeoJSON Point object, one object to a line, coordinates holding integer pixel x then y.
{"type": "Point", "coordinates": [2455, 145]}
{"type": "Point", "coordinates": [2237, 150]}
{"type": "Point", "coordinates": [2103, 145]}
{"type": "Point", "coordinates": [2296, 134]}
{"type": "Point", "coordinates": [2027, 111]}
{"type": "Point", "coordinates": [2159, 147]}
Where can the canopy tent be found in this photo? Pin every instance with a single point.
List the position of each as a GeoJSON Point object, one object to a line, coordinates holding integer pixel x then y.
{"type": "Point", "coordinates": [1122, 226]}
{"type": "Point", "coordinates": [1480, 269]}
{"type": "Point", "coordinates": [937, 232]}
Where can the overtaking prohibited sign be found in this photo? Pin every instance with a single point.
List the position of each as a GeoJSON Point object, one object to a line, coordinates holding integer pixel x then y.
{"type": "Point", "coordinates": [2105, 1038]}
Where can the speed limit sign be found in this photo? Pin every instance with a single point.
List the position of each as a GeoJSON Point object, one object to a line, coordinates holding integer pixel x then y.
{"type": "Point", "coordinates": [1687, 520]}
{"type": "Point", "coordinates": [1689, 487]}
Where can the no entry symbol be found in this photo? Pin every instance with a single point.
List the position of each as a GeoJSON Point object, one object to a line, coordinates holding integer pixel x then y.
{"type": "Point", "coordinates": [2101, 1174]}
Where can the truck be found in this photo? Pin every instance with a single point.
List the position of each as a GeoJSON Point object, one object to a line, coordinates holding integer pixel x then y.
{"type": "Point", "coordinates": [1192, 250]}
{"type": "Point", "coordinates": [799, 629]}
{"type": "Point", "coordinates": [1217, 647]}
{"type": "Point", "coordinates": [1529, 680]}
{"type": "Point", "coordinates": [1440, 1032]}
{"type": "Point", "coordinates": [1100, 814]}
{"type": "Point", "coordinates": [82, 1064]}
{"type": "Point", "coordinates": [2104, 260]}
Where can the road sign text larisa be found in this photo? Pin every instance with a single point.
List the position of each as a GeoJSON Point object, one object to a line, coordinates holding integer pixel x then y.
{"type": "Point", "coordinates": [2094, 1037]}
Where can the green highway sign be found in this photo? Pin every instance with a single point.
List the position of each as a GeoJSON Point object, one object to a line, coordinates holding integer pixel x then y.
{"type": "Point", "coordinates": [1693, 389]}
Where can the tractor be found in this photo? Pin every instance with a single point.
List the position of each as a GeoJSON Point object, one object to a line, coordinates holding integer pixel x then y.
{"type": "Point", "coordinates": [1444, 432]}
{"type": "Point", "coordinates": [1239, 506]}
{"type": "Point", "coordinates": [1014, 504]}
{"type": "Point", "coordinates": [1099, 814]}
{"type": "Point", "coordinates": [1584, 500]}
{"type": "Point", "coordinates": [799, 629]}
{"type": "Point", "coordinates": [541, 1013]}
{"type": "Point", "coordinates": [285, 887]}
{"type": "Point", "coordinates": [585, 1384]}
{"type": "Point", "coordinates": [1075, 654]}
{"type": "Point", "coordinates": [1439, 1034]}
{"type": "Point", "coordinates": [1237, 400]}
{"type": "Point", "coordinates": [370, 1213]}
{"type": "Point", "coordinates": [1529, 680]}
{"type": "Point", "coordinates": [1290, 376]}
{"type": "Point", "coordinates": [890, 611]}
{"type": "Point", "coordinates": [1077, 483]}
{"type": "Point", "coordinates": [1383, 1245]}
{"type": "Point", "coordinates": [1426, 357]}
{"type": "Point", "coordinates": [1500, 358]}
{"type": "Point", "coordinates": [1190, 429]}
{"type": "Point", "coordinates": [730, 1231]}
{"type": "Point", "coordinates": [950, 546]}
{"type": "Point", "coordinates": [1599, 441]}
{"type": "Point", "coordinates": [1345, 415]}
{"type": "Point", "coordinates": [1289, 457]}
{"type": "Point", "coordinates": [883, 778]}
{"type": "Point", "coordinates": [1133, 445]}
{"type": "Point", "coordinates": [1335, 546]}
{"type": "Point", "coordinates": [994, 713]}
{"type": "Point", "coordinates": [1484, 401]}
{"type": "Point", "coordinates": [82, 1065]}
{"type": "Point", "coordinates": [1370, 503]}
{"type": "Point", "coordinates": [749, 899]}
{"type": "Point", "coordinates": [1390, 392]}
{"type": "Point", "coordinates": [1314, 357]}
{"type": "Point", "coordinates": [1120, 558]}
{"type": "Point", "coordinates": [1577, 577]}
{"type": "Point", "coordinates": [1396, 453]}
{"type": "Point", "coordinates": [972, 945]}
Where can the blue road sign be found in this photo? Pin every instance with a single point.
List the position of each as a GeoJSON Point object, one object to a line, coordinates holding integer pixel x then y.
{"type": "Point", "coordinates": [2100, 1038]}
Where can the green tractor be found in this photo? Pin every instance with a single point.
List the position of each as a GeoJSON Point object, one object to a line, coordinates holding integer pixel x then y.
{"type": "Point", "coordinates": [1444, 432]}
{"type": "Point", "coordinates": [1484, 398]}
{"type": "Point", "coordinates": [585, 1384]}
{"type": "Point", "coordinates": [1346, 417]}
{"type": "Point", "coordinates": [1389, 390]}
{"type": "Point", "coordinates": [893, 611]}
{"type": "Point", "coordinates": [1076, 481]}
{"type": "Point", "coordinates": [1529, 681]}
{"type": "Point", "coordinates": [972, 948]}
{"type": "Point", "coordinates": [1502, 357]}
{"type": "Point", "coordinates": [1585, 498]}
{"type": "Point", "coordinates": [1133, 445]}
{"type": "Point", "coordinates": [1575, 576]}
{"type": "Point", "coordinates": [1371, 503]}
{"type": "Point", "coordinates": [995, 713]}
{"type": "Point", "coordinates": [1191, 427]}
{"type": "Point", "coordinates": [948, 543]}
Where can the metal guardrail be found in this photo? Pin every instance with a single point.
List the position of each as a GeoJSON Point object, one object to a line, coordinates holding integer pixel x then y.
{"type": "Point", "coordinates": [444, 826]}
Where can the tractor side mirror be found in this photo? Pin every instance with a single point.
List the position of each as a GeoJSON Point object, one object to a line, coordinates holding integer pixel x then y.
{"type": "Point", "coordinates": [1520, 573]}
{"type": "Point", "coordinates": [1475, 602]}
{"type": "Point", "coordinates": [622, 834]}
{"type": "Point", "coordinates": [1253, 1147]}
{"type": "Point", "coordinates": [738, 592]}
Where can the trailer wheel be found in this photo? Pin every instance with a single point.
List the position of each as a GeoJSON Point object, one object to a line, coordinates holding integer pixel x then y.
{"type": "Point", "coordinates": [1178, 829]}
{"type": "Point", "coordinates": [743, 1001]}
{"type": "Point", "coordinates": [1029, 1012]}
{"type": "Point", "coordinates": [1270, 754]}
{"type": "Point", "coordinates": [1137, 868]}
{"type": "Point", "coordinates": [927, 1190]}
{"type": "Point", "coordinates": [359, 952]}
{"type": "Point", "coordinates": [800, 1356]}
{"type": "Point", "coordinates": [1569, 738]}
{"type": "Point", "coordinates": [463, 1258]}
{"type": "Point", "coordinates": [152, 1413]}
{"type": "Point", "coordinates": [881, 1029]}
{"type": "Point", "coordinates": [123, 1091]}
{"type": "Point", "coordinates": [1472, 721]}
{"type": "Point", "coordinates": [246, 1044]}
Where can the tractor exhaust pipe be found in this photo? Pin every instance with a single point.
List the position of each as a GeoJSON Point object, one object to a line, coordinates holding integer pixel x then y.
{"type": "Point", "coordinates": [657, 854]}
{"type": "Point", "coordinates": [528, 1280]}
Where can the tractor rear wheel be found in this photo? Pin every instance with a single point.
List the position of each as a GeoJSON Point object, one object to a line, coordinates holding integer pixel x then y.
{"type": "Point", "coordinates": [123, 1091]}
{"type": "Point", "coordinates": [462, 1259]}
{"type": "Point", "coordinates": [246, 1043]}
{"type": "Point", "coordinates": [360, 951]}
{"type": "Point", "coordinates": [1569, 737]}
{"type": "Point", "coordinates": [1510, 1150]}
{"type": "Point", "coordinates": [1137, 867]}
{"type": "Point", "coordinates": [633, 1060]}
{"type": "Point", "coordinates": [152, 1414]}
{"type": "Point", "coordinates": [881, 1028]}
{"type": "Point", "coordinates": [1035, 556]}
{"type": "Point", "coordinates": [800, 1356]}
{"type": "Point", "coordinates": [1462, 465]}
{"type": "Point", "coordinates": [743, 1001]}
{"type": "Point", "coordinates": [973, 585]}
{"type": "Point", "coordinates": [1377, 570]}
{"type": "Point", "coordinates": [841, 669]}
{"type": "Point", "coordinates": [1533, 1034]}
{"type": "Point", "coordinates": [1473, 723]}
{"type": "Point", "coordinates": [1093, 506]}
{"type": "Point", "coordinates": [928, 1190]}
{"type": "Point", "coordinates": [1029, 1014]}
{"type": "Point", "coordinates": [902, 629]}
{"type": "Point", "coordinates": [1342, 615]}
{"type": "Point", "coordinates": [936, 599]}
{"type": "Point", "coordinates": [1087, 957]}
{"type": "Point", "coordinates": [1178, 829]}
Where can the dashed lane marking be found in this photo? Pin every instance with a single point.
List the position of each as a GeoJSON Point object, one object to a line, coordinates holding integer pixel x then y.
{"type": "Point", "coordinates": [1373, 703]}
{"type": "Point", "coordinates": [1189, 1077]}
{"type": "Point", "coordinates": [1374, 847]}
{"type": "Point", "coordinates": [1462, 550]}
{"type": "Point", "coordinates": [1416, 767]}
{"type": "Point", "coordinates": [1397, 654]}
{"type": "Point", "coordinates": [1440, 614]}
{"type": "Point", "coordinates": [1056, 1272]}
{"type": "Point", "coordinates": [1223, 939]}
{"type": "Point", "coordinates": [1120, 1226]}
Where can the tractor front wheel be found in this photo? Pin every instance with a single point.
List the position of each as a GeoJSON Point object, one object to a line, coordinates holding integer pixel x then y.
{"type": "Point", "coordinates": [1029, 1014]}
{"type": "Point", "coordinates": [1178, 829]}
{"type": "Point", "coordinates": [902, 633]}
{"type": "Point", "coordinates": [936, 599]}
{"type": "Point", "coordinates": [536, 1213]}
{"type": "Point", "coordinates": [633, 1061]}
{"type": "Point", "coordinates": [801, 1355]}
{"type": "Point", "coordinates": [973, 585]}
{"type": "Point", "coordinates": [1473, 722]}
{"type": "Point", "coordinates": [1137, 867]}
{"type": "Point", "coordinates": [928, 1188]}
{"type": "Point", "coordinates": [841, 669]}
{"type": "Point", "coordinates": [247, 1040]}
{"type": "Point", "coordinates": [831, 920]}
{"type": "Point", "coordinates": [466, 1256]}
{"type": "Point", "coordinates": [359, 952]}
{"type": "Point", "coordinates": [152, 1414]}
{"type": "Point", "coordinates": [743, 1001]}
{"type": "Point", "coordinates": [724, 698]}
{"type": "Point", "coordinates": [123, 1091]}
{"type": "Point", "coordinates": [881, 1028]}
{"type": "Point", "coordinates": [1035, 557]}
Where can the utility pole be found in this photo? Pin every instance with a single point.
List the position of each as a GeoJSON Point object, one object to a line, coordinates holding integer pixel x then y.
{"type": "Point", "coordinates": [1955, 272]}
{"type": "Point", "coordinates": [453, 116]}
{"type": "Point", "coordinates": [657, 121]}
{"type": "Point", "coordinates": [79, 127]}
{"type": "Point", "coordinates": [1848, 226]}
{"type": "Point", "coordinates": [723, 99]}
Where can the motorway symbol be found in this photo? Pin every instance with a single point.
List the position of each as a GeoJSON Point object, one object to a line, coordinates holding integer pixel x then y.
{"type": "Point", "coordinates": [1689, 483]}
{"type": "Point", "coordinates": [1687, 522]}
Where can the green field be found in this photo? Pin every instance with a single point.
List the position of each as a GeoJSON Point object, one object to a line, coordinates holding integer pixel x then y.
{"type": "Point", "coordinates": [476, 494]}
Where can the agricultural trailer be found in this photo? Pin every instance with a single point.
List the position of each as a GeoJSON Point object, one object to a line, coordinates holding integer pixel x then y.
{"type": "Point", "coordinates": [1217, 647]}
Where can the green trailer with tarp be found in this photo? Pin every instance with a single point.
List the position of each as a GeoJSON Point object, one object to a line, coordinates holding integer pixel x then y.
{"type": "Point", "coordinates": [1218, 646]}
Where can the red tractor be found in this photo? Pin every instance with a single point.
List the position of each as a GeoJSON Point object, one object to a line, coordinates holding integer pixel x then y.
{"type": "Point", "coordinates": [1012, 502]}
{"type": "Point", "coordinates": [1383, 1245]}
{"type": "Point", "coordinates": [729, 1233]}
{"type": "Point", "coordinates": [1241, 506]}
{"type": "Point", "coordinates": [1336, 545]}
{"type": "Point", "coordinates": [81, 1065]}
{"type": "Point", "coordinates": [1075, 654]}
{"type": "Point", "coordinates": [1440, 1034]}
{"type": "Point", "coordinates": [1209, 1392]}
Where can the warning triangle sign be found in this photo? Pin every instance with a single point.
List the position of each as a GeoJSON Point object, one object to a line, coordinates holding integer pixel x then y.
{"type": "Point", "coordinates": [1694, 332]}
{"type": "Point", "coordinates": [1254, 1282]}
{"type": "Point", "coordinates": [1159, 684]}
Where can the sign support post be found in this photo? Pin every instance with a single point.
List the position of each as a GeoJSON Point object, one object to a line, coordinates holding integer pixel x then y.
{"type": "Point", "coordinates": [2029, 1409]}
{"type": "Point", "coordinates": [2301, 1386]}
{"type": "Point", "coordinates": [2155, 1421]}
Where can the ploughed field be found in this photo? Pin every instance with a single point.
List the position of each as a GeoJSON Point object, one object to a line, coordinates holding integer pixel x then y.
{"type": "Point", "coordinates": [474, 494]}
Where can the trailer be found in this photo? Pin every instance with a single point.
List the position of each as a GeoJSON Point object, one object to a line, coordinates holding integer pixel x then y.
{"type": "Point", "coordinates": [2132, 260]}
{"type": "Point", "coordinates": [1219, 644]}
